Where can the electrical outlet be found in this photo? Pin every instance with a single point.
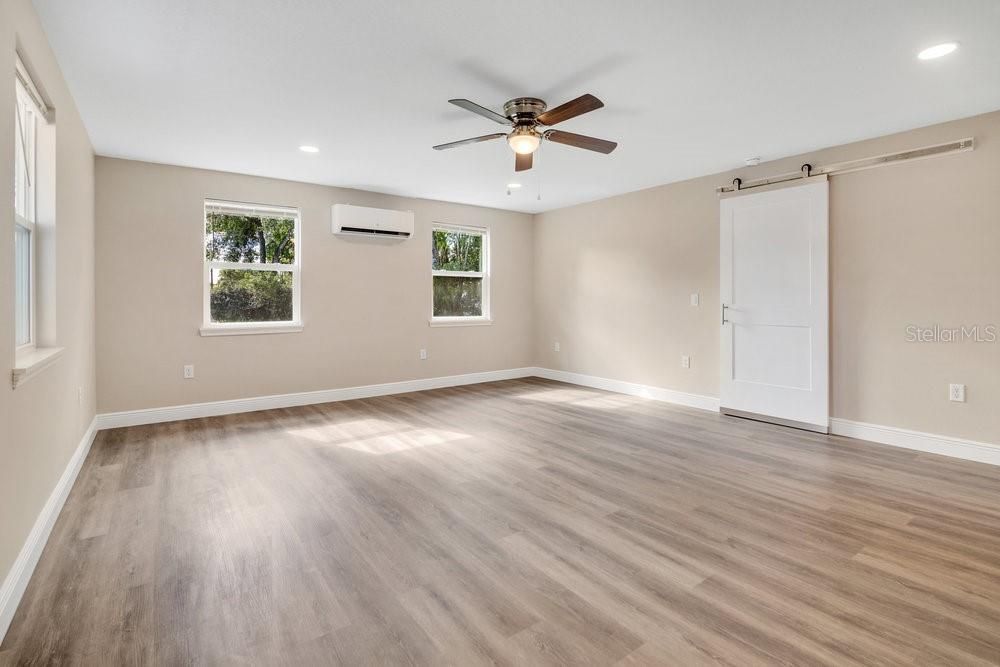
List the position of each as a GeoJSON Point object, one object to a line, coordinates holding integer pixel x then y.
{"type": "Point", "coordinates": [695, 299]}
{"type": "Point", "coordinates": [956, 392]}
{"type": "Point", "coordinates": [188, 371]}
{"type": "Point", "coordinates": [423, 354]}
{"type": "Point", "coordinates": [685, 361]}
{"type": "Point", "coordinates": [555, 346]}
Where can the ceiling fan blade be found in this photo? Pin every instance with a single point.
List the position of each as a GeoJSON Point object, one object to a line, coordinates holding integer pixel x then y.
{"type": "Point", "coordinates": [473, 140]}
{"type": "Point", "coordinates": [581, 141]}
{"type": "Point", "coordinates": [571, 109]}
{"type": "Point", "coordinates": [522, 162]}
{"type": "Point", "coordinates": [482, 111]}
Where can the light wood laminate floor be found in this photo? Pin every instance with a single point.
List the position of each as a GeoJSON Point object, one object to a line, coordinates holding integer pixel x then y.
{"type": "Point", "coordinates": [519, 522]}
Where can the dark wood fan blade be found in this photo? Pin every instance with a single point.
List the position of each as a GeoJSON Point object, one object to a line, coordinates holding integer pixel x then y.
{"type": "Point", "coordinates": [473, 140]}
{"type": "Point", "coordinates": [571, 109]}
{"type": "Point", "coordinates": [581, 141]}
{"type": "Point", "coordinates": [522, 162]}
{"type": "Point", "coordinates": [482, 111]}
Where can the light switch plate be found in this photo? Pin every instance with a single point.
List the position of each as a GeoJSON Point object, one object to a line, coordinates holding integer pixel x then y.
{"type": "Point", "coordinates": [685, 361]}
{"type": "Point", "coordinates": [695, 299]}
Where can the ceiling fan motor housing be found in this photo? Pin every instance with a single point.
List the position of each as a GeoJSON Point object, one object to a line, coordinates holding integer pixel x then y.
{"type": "Point", "coordinates": [524, 110]}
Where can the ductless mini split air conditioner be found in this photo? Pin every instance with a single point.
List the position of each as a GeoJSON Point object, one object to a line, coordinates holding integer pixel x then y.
{"type": "Point", "coordinates": [365, 221]}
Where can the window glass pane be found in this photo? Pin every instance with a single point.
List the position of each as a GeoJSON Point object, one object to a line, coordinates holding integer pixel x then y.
{"type": "Point", "coordinates": [458, 296]}
{"type": "Point", "coordinates": [251, 296]}
{"type": "Point", "coordinates": [20, 183]}
{"type": "Point", "coordinates": [22, 285]}
{"type": "Point", "coordinates": [249, 238]}
{"type": "Point", "coordinates": [24, 158]}
{"type": "Point", "coordinates": [456, 251]}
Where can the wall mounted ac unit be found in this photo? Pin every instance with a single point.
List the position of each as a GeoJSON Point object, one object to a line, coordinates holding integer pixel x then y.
{"type": "Point", "coordinates": [365, 221]}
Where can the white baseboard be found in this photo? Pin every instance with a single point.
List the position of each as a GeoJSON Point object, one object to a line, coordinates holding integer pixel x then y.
{"type": "Point", "coordinates": [24, 565]}
{"type": "Point", "coordinates": [969, 450]}
{"type": "Point", "coordinates": [632, 389]}
{"type": "Point", "coordinates": [216, 408]}
{"type": "Point", "coordinates": [898, 437]}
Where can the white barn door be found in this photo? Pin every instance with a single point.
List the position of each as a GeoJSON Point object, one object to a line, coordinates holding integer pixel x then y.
{"type": "Point", "coordinates": [775, 305]}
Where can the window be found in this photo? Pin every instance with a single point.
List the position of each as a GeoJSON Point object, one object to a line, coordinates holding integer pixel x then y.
{"type": "Point", "coordinates": [460, 275]}
{"type": "Point", "coordinates": [252, 263]}
{"type": "Point", "coordinates": [34, 230]}
{"type": "Point", "coordinates": [26, 113]}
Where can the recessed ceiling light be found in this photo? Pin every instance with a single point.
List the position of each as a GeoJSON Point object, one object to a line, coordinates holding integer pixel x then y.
{"type": "Point", "coordinates": [936, 51]}
{"type": "Point", "coordinates": [513, 186]}
{"type": "Point", "coordinates": [308, 149]}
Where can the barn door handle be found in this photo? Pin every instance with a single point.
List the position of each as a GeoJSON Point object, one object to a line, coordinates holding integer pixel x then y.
{"type": "Point", "coordinates": [724, 320]}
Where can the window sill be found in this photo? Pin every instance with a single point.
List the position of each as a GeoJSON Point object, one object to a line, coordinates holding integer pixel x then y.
{"type": "Point", "coordinates": [460, 321]}
{"type": "Point", "coordinates": [29, 363]}
{"type": "Point", "coordinates": [250, 329]}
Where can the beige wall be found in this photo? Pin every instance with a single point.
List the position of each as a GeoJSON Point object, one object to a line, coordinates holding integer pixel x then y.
{"type": "Point", "coordinates": [916, 243]}
{"type": "Point", "coordinates": [365, 303]}
{"type": "Point", "coordinates": [43, 420]}
{"type": "Point", "coordinates": [910, 244]}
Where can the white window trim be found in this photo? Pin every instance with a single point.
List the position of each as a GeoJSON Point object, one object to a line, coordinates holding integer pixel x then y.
{"type": "Point", "coordinates": [209, 328]}
{"type": "Point", "coordinates": [21, 74]}
{"type": "Point", "coordinates": [249, 328]}
{"type": "Point", "coordinates": [30, 358]}
{"type": "Point", "coordinates": [27, 94]}
{"type": "Point", "coordinates": [468, 321]}
{"type": "Point", "coordinates": [465, 320]}
{"type": "Point", "coordinates": [32, 362]}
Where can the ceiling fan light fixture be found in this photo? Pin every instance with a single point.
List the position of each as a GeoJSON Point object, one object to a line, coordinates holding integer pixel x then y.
{"type": "Point", "coordinates": [524, 140]}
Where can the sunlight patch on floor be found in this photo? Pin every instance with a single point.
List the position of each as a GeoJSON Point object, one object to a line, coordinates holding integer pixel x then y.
{"type": "Point", "coordinates": [608, 402]}
{"type": "Point", "coordinates": [349, 430]}
{"type": "Point", "coordinates": [557, 395]}
{"type": "Point", "coordinates": [582, 398]}
{"type": "Point", "coordinates": [382, 437]}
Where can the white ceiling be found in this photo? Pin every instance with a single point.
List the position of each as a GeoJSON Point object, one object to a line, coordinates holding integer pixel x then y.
{"type": "Point", "coordinates": [690, 87]}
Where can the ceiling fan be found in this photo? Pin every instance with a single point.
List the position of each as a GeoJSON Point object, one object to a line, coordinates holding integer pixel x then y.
{"type": "Point", "coordinates": [527, 115]}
